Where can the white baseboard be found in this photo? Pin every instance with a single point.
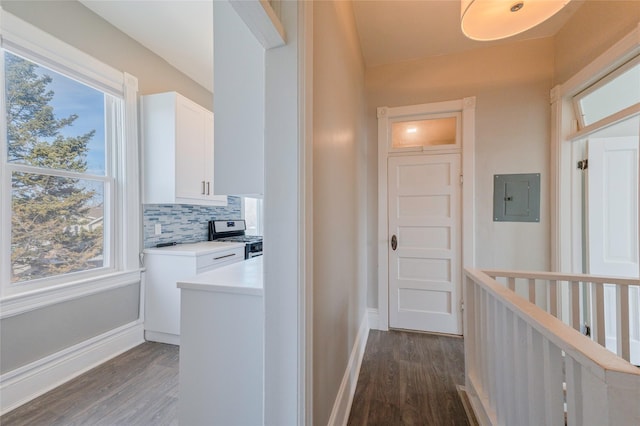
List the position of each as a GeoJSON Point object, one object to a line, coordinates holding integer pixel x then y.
{"type": "Point", "coordinates": [373, 318]}
{"type": "Point", "coordinates": [26, 383]}
{"type": "Point", "coordinates": [342, 404]}
{"type": "Point", "coordinates": [155, 336]}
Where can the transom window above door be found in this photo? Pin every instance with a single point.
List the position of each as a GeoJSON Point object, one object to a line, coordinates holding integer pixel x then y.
{"type": "Point", "coordinates": [612, 94]}
{"type": "Point", "coordinates": [430, 132]}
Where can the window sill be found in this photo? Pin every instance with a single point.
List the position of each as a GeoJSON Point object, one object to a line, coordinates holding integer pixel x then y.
{"type": "Point", "coordinates": [16, 304]}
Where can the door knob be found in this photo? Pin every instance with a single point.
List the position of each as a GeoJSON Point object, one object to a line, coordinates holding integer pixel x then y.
{"type": "Point", "coordinates": [394, 242]}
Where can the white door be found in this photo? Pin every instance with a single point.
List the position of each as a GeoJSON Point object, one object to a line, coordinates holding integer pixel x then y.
{"type": "Point", "coordinates": [613, 226]}
{"type": "Point", "coordinates": [424, 268]}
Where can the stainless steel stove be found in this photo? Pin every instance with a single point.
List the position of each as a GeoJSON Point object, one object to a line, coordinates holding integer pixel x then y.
{"type": "Point", "coordinates": [234, 231]}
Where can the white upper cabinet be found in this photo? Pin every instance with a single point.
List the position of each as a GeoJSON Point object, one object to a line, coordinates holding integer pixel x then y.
{"type": "Point", "coordinates": [177, 151]}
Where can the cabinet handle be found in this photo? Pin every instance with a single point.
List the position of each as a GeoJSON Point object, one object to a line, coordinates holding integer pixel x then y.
{"type": "Point", "coordinates": [222, 257]}
{"type": "Point", "coordinates": [202, 187]}
{"type": "Point", "coordinates": [208, 188]}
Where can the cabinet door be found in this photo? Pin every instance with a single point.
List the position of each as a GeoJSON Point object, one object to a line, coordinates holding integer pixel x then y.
{"type": "Point", "coordinates": [207, 155]}
{"type": "Point", "coordinates": [191, 159]}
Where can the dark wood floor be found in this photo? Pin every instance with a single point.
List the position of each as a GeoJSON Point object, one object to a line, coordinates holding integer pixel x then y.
{"type": "Point", "coordinates": [139, 387]}
{"type": "Point", "coordinates": [410, 379]}
{"type": "Point", "coordinates": [405, 379]}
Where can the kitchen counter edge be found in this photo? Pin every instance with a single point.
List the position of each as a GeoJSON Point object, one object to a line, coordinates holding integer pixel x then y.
{"type": "Point", "coordinates": [240, 278]}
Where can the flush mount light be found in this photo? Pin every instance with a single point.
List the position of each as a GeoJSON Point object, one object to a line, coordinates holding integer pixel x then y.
{"type": "Point", "coordinates": [486, 20]}
{"type": "Point", "coordinates": [412, 130]}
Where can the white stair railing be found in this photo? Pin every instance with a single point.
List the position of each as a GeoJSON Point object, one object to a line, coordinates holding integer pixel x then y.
{"type": "Point", "coordinates": [622, 319]}
{"type": "Point", "coordinates": [524, 366]}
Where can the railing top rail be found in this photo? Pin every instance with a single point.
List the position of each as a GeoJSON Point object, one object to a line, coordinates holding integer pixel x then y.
{"type": "Point", "coordinates": [559, 276]}
{"type": "Point", "coordinates": [579, 347]}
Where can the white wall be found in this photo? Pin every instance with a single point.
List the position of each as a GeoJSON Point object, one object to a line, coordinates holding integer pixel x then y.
{"type": "Point", "coordinates": [511, 83]}
{"type": "Point", "coordinates": [594, 28]}
{"type": "Point", "coordinates": [239, 105]}
{"type": "Point", "coordinates": [73, 23]}
{"type": "Point", "coordinates": [284, 229]}
{"type": "Point", "coordinates": [339, 213]}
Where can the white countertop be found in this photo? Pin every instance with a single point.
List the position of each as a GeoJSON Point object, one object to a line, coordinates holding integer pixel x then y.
{"type": "Point", "coordinates": [243, 277]}
{"type": "Point", "coordinates": [194, 249]}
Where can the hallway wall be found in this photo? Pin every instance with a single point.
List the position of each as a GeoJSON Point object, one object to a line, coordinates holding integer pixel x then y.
{"type": "Point", "coordinates": [511, 83]}
{"type": "Point", "coordinates": [339, 290]}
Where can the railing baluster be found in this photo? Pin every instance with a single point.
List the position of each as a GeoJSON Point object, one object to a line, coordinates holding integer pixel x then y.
{"type": "Point", "coordinates": [553, 392]}
{"type": "Point", "coordinates": [574, 295]}
{"type": "Point", "coordinates": [532, 290]}
{"type": "Point", "coordinates": [599, 321]}
{"type": "Point", "coordinates": [509, 368]}
{"type": "Point", "coordinates": [491, 353]}
{"type": "Point", "coordinates": [520, 367]}
{"type": "Point", "coordinates": [574, 392]}
{"type": "Point", "coordinates": [469, 327]}
{"type": "Point", "coordinates": [511, 283]}
{"type": "Point", "coordinates": [622, 322]}
{"type": "Point", "coordinates": [483, 339]}
{"type": "Point", "coordinates": [535, 374]}
{"type": "Point", "coordinates": [502, 399]}
{"type": "Point", "coordinates": [477, 299]}
{"type": "Point", "coordinates": [553, 298]}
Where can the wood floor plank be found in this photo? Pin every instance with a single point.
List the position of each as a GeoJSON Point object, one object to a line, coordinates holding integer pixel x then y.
{"type": "Point", "coordinates": [405, 379]}
{"type": "Point", "coordinates": [139, 387]}
{"type": "Point", "coordinates": [409, 379]}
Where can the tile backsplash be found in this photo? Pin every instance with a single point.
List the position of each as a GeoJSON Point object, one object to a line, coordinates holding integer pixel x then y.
{"type": "Point", "coordinates": [184, 223]}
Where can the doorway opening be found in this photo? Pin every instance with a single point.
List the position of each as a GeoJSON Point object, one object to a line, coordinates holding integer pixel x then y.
{"type": "Point", "coordinates": [605, 149]}
{"type": "Point", "coordinates": [425, 214]}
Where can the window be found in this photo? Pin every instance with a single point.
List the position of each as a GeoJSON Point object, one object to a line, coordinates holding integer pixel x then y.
{"type": "Point", "coordinates": [56, 157]}
{"type": "Point", "coordinates": [436, 131]}
{"type": "Point", "coordinates": [253, 215]}
{"type": "Point", "coordinates": [67, 148]}
{"type": "Point", "coordinates": [614, 93]}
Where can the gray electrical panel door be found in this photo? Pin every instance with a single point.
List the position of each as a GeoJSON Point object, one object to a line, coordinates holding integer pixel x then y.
{"type": "Point", "coordinates": [516, 198]}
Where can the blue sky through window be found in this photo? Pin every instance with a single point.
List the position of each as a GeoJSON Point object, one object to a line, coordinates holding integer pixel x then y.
{"type": "Point", "coordinates": [72, 97]}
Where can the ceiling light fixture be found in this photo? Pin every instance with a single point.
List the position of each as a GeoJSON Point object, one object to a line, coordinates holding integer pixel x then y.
{"type": "Point", "coordinates": [412, 130]}
{"type": "Point", "coordinates": [486, 20]}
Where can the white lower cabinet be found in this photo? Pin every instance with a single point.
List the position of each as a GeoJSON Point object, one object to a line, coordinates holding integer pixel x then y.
{"type": "Point", "coordinates": [222, 350]}
{"type": "Point", "coordinates": [164, 267]}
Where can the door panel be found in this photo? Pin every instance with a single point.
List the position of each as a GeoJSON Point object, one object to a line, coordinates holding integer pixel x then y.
{"type": "Point", "coordinates": [424, 271]}
{"type": "Point", "coordinates": [613, 226]}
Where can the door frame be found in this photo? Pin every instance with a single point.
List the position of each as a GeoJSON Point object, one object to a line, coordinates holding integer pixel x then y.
{"type": "Point", "coordinates": [466, 107]}
{"type": "Point", "coordinates": [565, 195]}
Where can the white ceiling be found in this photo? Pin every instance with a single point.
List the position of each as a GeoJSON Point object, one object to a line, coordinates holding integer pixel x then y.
{"type": "Point", "coordinates": [181, 31]}
{"type": "Point", "coordinates": [400, 30]}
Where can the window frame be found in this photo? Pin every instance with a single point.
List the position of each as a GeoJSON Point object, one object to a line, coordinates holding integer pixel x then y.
{"type": "Point", "coordinates": [121, 169]}
{"type": "Point", "coordinates": [577, 98]}
{"type": "Point", "coordinates": [259, 214]}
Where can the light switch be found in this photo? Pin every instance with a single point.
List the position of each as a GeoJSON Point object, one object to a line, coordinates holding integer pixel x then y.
{"type": "Point", "coordinates": [158, 228]}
